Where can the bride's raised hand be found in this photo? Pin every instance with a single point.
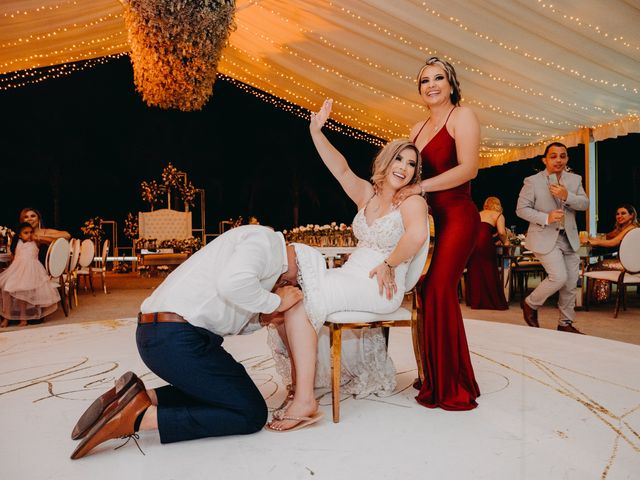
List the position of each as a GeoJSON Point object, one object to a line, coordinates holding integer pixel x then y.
{"type": "Point", "coordinates": [320, 118]}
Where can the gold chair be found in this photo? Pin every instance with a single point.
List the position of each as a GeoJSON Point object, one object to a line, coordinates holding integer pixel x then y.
{"type": "Point", "coordinates": [56, 263]}
{"type": "Point", "coordinates": [70, 278]}
{"type": "Point", "coordinates": [87, 271]}
{"type": "Point", "coordinates": [402, 317]}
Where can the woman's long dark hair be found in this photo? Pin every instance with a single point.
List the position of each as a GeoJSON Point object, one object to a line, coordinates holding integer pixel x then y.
{"type": "Point", "coordinates": [16, 236]}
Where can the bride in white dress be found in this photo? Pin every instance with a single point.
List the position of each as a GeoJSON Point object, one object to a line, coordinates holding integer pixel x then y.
{"type": "Point", "coordinates": [371, 280]}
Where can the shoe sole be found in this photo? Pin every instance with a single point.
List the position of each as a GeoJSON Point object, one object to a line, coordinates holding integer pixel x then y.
{"type": "Point", "coordinates": [99, 406]}
{"type": "Point", "coordinates": [91, 440]}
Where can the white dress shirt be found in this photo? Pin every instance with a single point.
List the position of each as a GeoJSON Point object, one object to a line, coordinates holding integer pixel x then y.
{"type": "Point", "coordinates": [226, 285]}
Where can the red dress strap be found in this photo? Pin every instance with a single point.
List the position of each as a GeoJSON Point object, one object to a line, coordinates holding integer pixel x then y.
{"type": "Point", "coordinates": [420, 131]}
{"type": "Point", "coordinates": [425, 124]}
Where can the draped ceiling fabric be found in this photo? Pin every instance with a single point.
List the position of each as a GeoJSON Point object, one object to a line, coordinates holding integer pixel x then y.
{"type": "Point", "coordinates": [532, 70]}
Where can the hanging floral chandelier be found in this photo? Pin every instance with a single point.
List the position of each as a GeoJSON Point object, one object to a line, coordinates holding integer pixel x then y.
{"type": "Point", "coordinates": [175, 48]}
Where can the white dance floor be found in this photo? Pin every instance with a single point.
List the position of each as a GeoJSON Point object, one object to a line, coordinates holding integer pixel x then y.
{"type": "Point", "coordinates": [553, 406]}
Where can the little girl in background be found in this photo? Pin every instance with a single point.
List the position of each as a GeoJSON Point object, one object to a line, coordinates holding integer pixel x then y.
{"type": "Point", "coordinates": [25, 291]}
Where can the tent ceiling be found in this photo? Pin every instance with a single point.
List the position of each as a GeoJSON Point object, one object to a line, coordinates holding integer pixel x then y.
{"type": "Point", "coordinates": [531, 70]}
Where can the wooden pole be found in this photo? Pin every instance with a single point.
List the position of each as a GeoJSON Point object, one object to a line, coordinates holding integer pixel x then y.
{"type": "Point", "coordinates": [590, 179]}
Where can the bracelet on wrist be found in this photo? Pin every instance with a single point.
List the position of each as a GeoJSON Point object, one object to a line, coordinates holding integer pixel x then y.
{"type": "Point", "coordinates": [391, 267]}
{"type": "Point", "coordinates": [422, 192]}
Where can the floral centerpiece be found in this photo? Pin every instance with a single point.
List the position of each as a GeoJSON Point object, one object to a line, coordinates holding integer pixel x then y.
{"type": "Point", "coordinates": [188, 245]}
{"type": "Point", "coordinates": [328, 235]}
{"type": "Point", "coordinates": [175, 48]}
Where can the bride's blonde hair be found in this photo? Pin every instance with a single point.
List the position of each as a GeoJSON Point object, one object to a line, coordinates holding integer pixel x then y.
{"type": "Point", "coordinates": [387, 154]}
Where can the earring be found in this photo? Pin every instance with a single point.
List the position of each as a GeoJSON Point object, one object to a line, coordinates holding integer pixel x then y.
{"type": "Point", "coordinates": [451, 92]}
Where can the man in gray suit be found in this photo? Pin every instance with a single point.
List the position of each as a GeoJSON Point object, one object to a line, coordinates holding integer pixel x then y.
{"type": "Point", "coordinates": [549, 201]}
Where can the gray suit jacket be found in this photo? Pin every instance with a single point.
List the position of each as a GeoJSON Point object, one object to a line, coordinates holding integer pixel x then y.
{"type": "Point", "coordinates": [535, 202]}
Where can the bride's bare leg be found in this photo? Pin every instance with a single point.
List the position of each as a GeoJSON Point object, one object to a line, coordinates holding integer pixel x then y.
{"type": "Point", "coordinates": [282, 331]}
{"type": "Point", "coordinates": [303, 343]}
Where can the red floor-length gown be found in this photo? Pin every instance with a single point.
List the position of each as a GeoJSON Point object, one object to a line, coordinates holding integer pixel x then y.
{"type": "Point", "coordinates": [449, 379]}
{"type": "Point", "coordinates": [484, 288]}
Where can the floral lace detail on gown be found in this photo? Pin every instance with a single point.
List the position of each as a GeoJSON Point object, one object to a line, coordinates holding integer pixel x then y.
{"type": "Point", "coordinates": [366, 367]}
{"type": "Point", "coordinates": [382, 235]}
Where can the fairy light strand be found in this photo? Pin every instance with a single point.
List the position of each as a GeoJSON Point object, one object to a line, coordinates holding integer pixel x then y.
{"type": "Point", "coordinates": [23, 78]}
{"type": "Point", "coordinates": [299, 111]}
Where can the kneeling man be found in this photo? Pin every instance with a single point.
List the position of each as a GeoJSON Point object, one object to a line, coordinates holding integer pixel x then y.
{"type": "Point", "coordinates": [223, 289]}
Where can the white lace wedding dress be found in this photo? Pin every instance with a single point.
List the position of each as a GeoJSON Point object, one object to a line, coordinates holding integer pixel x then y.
{"type": "Point", "coordinates": [366, 367]}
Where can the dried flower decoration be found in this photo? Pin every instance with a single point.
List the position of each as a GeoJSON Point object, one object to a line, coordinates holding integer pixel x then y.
{"type": "Point", "coordinates": [150, 191]}
{"type": "Point", "coordinates": [188, 193]}
{"type": "Point", "coordinates": [171, 176]}
{"type": "Point", "coordinates": [175, 48]}
{"type": "Point", "coordinates": [131, 226]}
{"type": "Point", "coordinates": [92, 228]}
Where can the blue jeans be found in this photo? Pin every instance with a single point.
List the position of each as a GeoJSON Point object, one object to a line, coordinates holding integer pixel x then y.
{"type": "Point", "coordinates": [209, 393]}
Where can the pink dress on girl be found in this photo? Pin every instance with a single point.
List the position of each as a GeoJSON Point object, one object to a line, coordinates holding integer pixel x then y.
{"type": "Point", "coordinates": [25, 289]}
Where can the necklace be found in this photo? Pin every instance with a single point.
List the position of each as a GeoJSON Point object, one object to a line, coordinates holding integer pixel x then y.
{"type": "Point", "coordinates": [377, 208]}
{"type": "Point", "coordinates": [436, 128]}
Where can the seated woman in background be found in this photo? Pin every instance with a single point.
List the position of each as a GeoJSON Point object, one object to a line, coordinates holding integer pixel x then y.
{"type": "Point", "coordinates": [484, 288]}
{"type": "Point", "coordinates": [626, 220]}
{"type": "Point", "coordinates": [25, 290]}
{"type": "Point", "coordinates": [42, 236]}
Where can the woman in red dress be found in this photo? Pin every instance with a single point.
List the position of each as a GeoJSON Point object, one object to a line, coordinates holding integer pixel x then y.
{"type": "Point", "coordinates": [484, 290]}
{"type": "Point", "coordinates": [449, 141]}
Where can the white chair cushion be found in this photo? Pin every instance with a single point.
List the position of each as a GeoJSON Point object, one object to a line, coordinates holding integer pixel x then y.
{"type": "Point", "coordinates": [630, 251]}
{"type": "Point", "coordinates": [58, 257]}
{"type": "Point", "coordinates": [612, 276]}
{"type": "Point", "coordinates": [87, 251]}
{"type": "Point", "coordinates": [629, 278]}
{"type": "Point", "coordinates": [74, 245]}
{"type": "Point", "coordinates": [368, 317]}
{"type": "Point", "coordinates": [416, 266]}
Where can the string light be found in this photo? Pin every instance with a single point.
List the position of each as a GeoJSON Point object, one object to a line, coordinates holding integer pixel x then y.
{"type": "Point", "coordinates": [300, 112]}
{"type": "Point", "coordinates": [35, 75]}
{"type": "Point", "coordinates": [515, 49]}
{"type": "Point", "coordinates": [40, 9]}
{"type": "Point", "coordinates": [588, 27]}
{"type": "Point", "coordinates": [288, 91]}
{"type": "Point", "coordinates": [61, 30]}
{"type": "Point", "coordinates": [38, 58]}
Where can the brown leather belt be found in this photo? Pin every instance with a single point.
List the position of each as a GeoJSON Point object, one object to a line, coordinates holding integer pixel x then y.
{"type": "Point", "coordinates": [160, 317]}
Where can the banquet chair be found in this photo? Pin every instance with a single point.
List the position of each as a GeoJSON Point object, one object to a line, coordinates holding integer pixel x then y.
{"type": "Point", "coordinates": [70, 278]}
{"type": "Point", "coordinates": [402, 317]}
{"type": "Point", "coordinates": [629, 255]}
{"type": "Point", "coordinates": [87, 252]}
{"type": "Point", "coordinates": [88, 270]}
{"type": "Point", "coordinates": [522, 268]}
{"type": "Point", "coordinates": [56, 263]}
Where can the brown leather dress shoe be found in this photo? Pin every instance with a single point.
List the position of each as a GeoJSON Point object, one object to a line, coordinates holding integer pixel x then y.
{"type": "Point", "coordinates": [569, 328]}
{"type": "Point", "coordinates": [530, 315]}
{"type": "Point", "coordinates": [118, 420]}
{"type": "Point", "coordinates": [100, 404]}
